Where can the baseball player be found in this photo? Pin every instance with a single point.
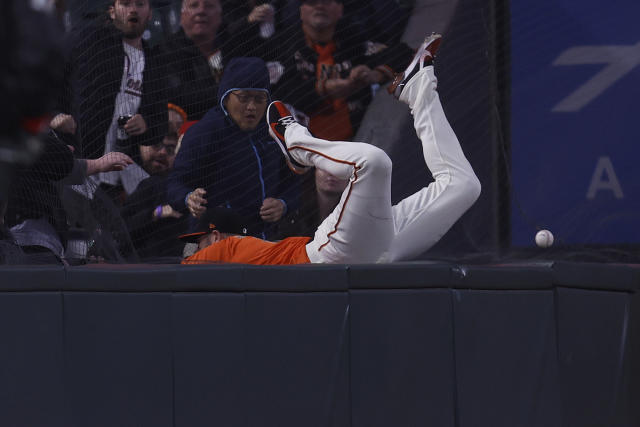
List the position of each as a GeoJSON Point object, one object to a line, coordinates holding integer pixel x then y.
{"type": "Point", "coordinates": [365, 227]}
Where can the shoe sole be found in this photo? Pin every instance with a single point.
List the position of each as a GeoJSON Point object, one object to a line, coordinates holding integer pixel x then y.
{"type": "Point", "coordinates": [279, 139]}
{"type": "Point", "coordinates": [430, 45]}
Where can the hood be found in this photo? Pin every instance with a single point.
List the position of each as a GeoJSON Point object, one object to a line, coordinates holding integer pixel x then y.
{"type": "Point", "coordinates": [243, 74]}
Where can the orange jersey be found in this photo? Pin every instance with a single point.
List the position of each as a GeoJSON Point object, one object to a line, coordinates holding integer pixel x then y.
{"type": "Point", "coordinates": [251, 250]}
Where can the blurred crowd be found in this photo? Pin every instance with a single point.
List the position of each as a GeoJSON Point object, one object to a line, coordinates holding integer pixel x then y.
{"type": "Point", "coordinates": [143, 135]}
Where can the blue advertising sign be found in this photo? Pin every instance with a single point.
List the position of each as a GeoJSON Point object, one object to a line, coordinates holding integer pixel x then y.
{"type": "Point", "coordinates": [575, 124]}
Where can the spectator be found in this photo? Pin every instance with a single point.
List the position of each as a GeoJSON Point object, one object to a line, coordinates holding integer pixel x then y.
{"type": "Point", "coordinates": [111, 72]}
{"type": "Point", "coordinates": [329, 188]}
{"type": "Point", "coordinates": [195, 56]}
{"type": "Point", "coordinates": [35, 213]}
{"type": "Point", "coordinates": [228, 159]}
{"type": "Point", "coordinates": [153, 224]}
{"type": "Point", "coordinates": [383, 20]}
{"type": "Point", "coordinates": [158, 159]}
{"type": "Point", "coordinates": [325, 68]}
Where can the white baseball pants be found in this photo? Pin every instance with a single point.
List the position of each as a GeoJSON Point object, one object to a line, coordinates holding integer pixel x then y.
{"type": "Point", "coordinates": [364, 227]}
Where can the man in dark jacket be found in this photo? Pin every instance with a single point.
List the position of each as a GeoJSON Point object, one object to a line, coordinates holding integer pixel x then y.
{"type": "Point", "coordinates": [325, 68]}
{"type": "Point", "coordinates": [228, 159]}
{"type": "Point", "coordinates": [112, 72]}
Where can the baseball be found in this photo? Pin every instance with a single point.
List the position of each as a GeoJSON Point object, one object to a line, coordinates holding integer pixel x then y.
{"type": "Point", "coordinates": [544, 238]}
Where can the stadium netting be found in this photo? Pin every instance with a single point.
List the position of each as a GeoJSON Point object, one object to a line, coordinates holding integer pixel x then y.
{"type": "Point", "coordinates": [540, 97]}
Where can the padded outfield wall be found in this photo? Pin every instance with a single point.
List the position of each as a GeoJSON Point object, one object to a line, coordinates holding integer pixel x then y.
{"type": "Point", "coordinates": [408, 344]}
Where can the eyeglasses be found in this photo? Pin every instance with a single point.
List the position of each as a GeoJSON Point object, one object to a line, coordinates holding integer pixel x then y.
{"type": "Point", "coordinates": [169, 148]}
{"type": "Point", "coordinates": [258, 97]}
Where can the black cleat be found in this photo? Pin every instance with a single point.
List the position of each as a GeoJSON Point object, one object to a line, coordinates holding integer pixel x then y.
{"type": "Point", "coordinates": [279, 118]}
{"type": "Point", "coordinates": [423, 58]}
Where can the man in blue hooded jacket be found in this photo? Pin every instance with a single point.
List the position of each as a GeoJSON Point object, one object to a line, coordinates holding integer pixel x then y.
{"type": "Point", "coordinates": [228, 159]}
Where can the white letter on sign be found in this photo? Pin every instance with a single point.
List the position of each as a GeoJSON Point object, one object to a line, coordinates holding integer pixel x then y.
{"type": "Point", "coordinates": [620, 60]}
{"type": "Point", "coordinates": [604, 178]}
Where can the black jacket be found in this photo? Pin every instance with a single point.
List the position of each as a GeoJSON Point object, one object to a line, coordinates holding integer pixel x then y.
{"type": "Point", "coordinates": [237, 169]}
{"type": "Point", "coordinates": [93, 74]}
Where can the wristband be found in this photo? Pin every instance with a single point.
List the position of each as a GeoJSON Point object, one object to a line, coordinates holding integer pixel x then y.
{"type": "Point", "coordinates": [186, 198]}
{"type": "Point", "coordinates": [157, 213]}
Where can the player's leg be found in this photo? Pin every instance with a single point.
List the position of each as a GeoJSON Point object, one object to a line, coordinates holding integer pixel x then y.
{"type": "Point", "coordinates": [423, 218]}
{"type": "Point", "coordinates": [361, 227]}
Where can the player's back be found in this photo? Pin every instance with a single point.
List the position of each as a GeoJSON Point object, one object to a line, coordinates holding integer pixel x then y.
{"type": "Point", "coordinates": [251, 250]}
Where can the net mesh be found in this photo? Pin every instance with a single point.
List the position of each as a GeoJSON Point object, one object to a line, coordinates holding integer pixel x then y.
{"type": "Point", "coordinates": [538, 95]}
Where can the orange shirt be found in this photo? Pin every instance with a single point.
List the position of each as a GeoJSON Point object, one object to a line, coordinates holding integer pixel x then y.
{"type": "Point", "coordinates": [251, 250]}
{"type": "Point", "coordinates": [332, 120]}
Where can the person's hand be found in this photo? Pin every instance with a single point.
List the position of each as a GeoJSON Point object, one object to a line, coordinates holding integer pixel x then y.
{"type": "Point", "coordinates": [271, 210]}
{"type": "Point", "coordinates": [339, 88]}
{"type": "Point", "coordinates": [196, 202]}
{"type": "Point", "coordinates": [135, 125]}
{"type": "Point", "coordinates": [166, 211]}
{"type": "Point", "coordinates": [261, 13]}
{"type": "Point", "coordinates": [365, 75]}
{"type": "Point", "coordinates": [64, 123]}
{"type": "Point", "coordinates": [113, 161]}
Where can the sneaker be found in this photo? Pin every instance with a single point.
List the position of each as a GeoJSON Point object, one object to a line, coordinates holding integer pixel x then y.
{"type": "Point", "coordinates": [423, 58]}
{"type": "Point", "coordinates": [279, 118]}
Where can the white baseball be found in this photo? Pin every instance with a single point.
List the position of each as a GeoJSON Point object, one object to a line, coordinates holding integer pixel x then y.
{"type": "Point", "coordinates": [544, 238]}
